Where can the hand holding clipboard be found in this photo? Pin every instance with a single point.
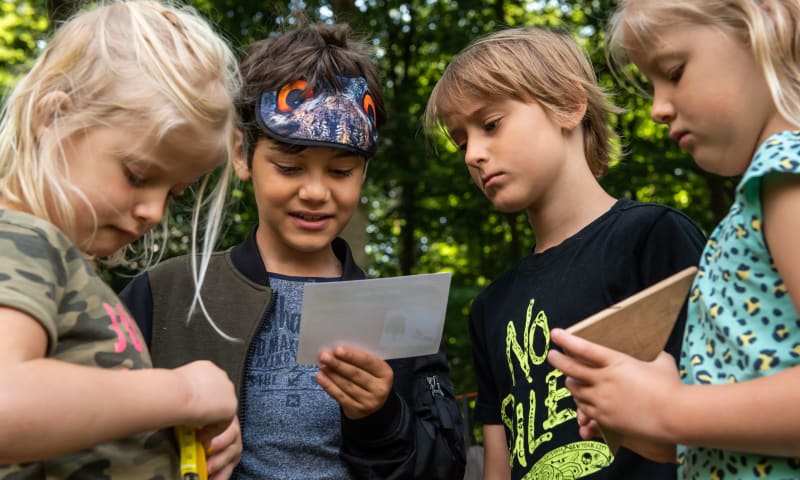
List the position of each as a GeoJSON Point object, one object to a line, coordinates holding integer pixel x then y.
{"type": "Point", "coordinates": [638, 326]}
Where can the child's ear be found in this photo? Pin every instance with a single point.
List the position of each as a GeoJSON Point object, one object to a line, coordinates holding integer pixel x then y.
{"type": "Point", "coordinates": [575, 117]}
{"type": "Point", "coordinates": [240, 157]}
{"type": "Point", "coordinates": [51, 105]}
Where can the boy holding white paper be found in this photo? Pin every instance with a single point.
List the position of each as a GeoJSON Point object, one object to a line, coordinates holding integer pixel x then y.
{"type": "Point", "coordinates": [310, 110]}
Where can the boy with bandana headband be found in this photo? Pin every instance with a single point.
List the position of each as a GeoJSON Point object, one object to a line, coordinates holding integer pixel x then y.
{"type": "Point", "coordinates": [310, 110]}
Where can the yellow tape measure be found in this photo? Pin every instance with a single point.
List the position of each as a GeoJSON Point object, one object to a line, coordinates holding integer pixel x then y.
{"type": "Point", "coordinates": [193, 455]}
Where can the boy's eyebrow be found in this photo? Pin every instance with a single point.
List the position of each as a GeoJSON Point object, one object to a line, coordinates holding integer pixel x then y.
{"type": "Point", "coordinates": [345, 154]}
{"type": "Point", "coordinates": [476, 113]}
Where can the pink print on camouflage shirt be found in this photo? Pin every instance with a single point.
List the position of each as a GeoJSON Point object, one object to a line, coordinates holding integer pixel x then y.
{"type": "Point", "coordinates": [127, 323]}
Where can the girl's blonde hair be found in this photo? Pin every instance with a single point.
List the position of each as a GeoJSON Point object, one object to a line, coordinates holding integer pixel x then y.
{"type": "Point", "coordinates": [770, 27]}
{"type": "Point", "coordinates": [530, 64]}
{"type": "Point", "coordinates": [123, 64]}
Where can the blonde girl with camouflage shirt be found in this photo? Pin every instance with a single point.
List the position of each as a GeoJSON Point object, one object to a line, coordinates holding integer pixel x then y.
{"type": "Point", "coordinates": [129, 104]}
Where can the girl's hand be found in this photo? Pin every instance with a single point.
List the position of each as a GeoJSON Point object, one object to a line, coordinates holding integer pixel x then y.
{"type": "Point", "coordinates": [588, 428]}
{"type": "Point", "coordinates": [359, 381]}
{"type": "Point", "coordinates": [223, 451]}
{"type": "Point", "coordinates": [211, 401]}
{"type": "Point", "coordinates": [616, 390]}
{"type": "Point", "coordinates": [656, 451]}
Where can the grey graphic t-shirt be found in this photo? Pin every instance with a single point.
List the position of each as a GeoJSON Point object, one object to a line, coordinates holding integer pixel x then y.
{"type": "Point", "coordinates": [290, 427]}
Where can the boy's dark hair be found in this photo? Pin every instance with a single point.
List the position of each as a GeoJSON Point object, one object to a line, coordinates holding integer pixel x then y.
{"type": "Point", "coordinates": [313, 52]}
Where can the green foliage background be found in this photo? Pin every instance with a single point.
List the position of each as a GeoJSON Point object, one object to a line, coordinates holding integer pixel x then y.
{"type": "Point", "coordinates": [421, 211]}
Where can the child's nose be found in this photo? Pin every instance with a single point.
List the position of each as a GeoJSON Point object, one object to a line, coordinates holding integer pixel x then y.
{"type": "Point", "coordinates": [475, 154]}
{"type": "Point", "coordinates": [315, 190]}
{"type": "Point", "coordinates": [150, 208]}
{"type": "Point", "coordinates": [662, 111]}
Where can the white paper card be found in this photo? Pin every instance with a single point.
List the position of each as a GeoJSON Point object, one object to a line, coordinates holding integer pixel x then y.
{"type": "Point", "coordinates": [388, 317]}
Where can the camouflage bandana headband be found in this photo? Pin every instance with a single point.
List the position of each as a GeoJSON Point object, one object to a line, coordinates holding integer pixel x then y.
{"type": "Point", "coordinates": [321, 116]}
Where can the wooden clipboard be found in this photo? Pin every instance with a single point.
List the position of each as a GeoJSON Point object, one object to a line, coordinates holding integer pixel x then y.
{"type": "Point", "coordinates": [638, 325]}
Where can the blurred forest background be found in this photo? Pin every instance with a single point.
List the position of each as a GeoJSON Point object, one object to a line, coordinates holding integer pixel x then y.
{"type": "Point", "coordinates": [420, 210]}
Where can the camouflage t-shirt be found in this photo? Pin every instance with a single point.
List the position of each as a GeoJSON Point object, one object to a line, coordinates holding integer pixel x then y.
{"type": "Point", "coordinates": [45, 276]}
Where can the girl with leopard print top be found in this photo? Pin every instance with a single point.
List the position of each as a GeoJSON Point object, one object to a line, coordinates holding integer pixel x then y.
{"type": "Point", "coordinates": [725, 76]}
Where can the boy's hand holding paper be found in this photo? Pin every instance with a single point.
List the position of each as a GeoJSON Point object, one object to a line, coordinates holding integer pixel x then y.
{"type": "Point", "coordinates": [359, 381]}
{"type": "Point", "coordinates": [638, 326]}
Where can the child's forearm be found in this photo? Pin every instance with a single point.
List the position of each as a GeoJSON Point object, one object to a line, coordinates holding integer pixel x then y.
{"type": "Point", "coordinates": [757, 416]}
{"type": "Point", "coordinates": [49, 407]}
{"type": "Point", "coordinates": [656, 451]}
{"type": "Point", "coordinates": [496, 454]}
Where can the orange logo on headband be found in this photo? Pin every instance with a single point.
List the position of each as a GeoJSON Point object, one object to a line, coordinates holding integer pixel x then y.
{"type": "Point", "coordinates": [368, 104]}
{"type": "Point", "coordinates": [292, 94]}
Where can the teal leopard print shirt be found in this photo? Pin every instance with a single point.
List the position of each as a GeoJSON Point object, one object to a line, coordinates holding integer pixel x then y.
{"type": "Point", "coordinates": [741, 323]}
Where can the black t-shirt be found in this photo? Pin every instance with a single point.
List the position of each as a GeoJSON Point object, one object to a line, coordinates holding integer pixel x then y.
{"type": "Point", "coordinates": [630, 247]}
